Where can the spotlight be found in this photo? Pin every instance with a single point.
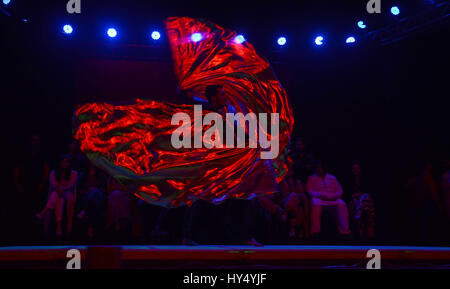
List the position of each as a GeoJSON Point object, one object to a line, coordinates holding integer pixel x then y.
{"type": "Point", "coordinates": [361, 24]}
{"type": "Point", "coordinates": [281, 41]}
{"type": "Point", "coordinates": [6, 2]}
{"type": "Point", "coordinates": [112, 32]}
{"type": "Point", "coordinates": [68, 29]}
{"type": "Point", "coordinates": [239, 39]}
{"type": "Point", "coordinates": [196, 37]}
{"type": "Point", "coordinates": [350, 39]}
{"type": "Point", "coordinates": [395, 10]}
{"type": "Point", "coordinates": [156, 35]}
{"type": "Point", "coordinates": [319, 40]}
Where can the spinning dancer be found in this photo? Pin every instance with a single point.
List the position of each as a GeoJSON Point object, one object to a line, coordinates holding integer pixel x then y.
{"type": "Point", "coordinates": [133, 142]}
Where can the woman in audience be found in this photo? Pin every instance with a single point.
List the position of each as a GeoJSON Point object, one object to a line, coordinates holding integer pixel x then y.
{"type": "Point", "coordinates": [362, 210]}
{"type": "Point", "coordinates": [290, 206]}
{"type": "Point", "coordinates": [295, 204]}
{"type": "Point", "coordinates": [62, 192]}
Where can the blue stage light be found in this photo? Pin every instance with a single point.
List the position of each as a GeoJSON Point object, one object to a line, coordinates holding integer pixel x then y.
{"type": "Point", "coordinates": [319, 40]}
{"type": "Point", "coordinates": [196, 37]}
{"type": "Point", "coordinates": [395, 10]}
{"type": "Point", "coordinates": [239, 39]}
{"type": "Point", "coordinates": [350, 39]}
{"type": "Point", "coordinates": [6, 2]}
{"type": "Point", "coordinates": [112, 32]}
{"type": "Point", "coordinates": [67, 29]}
{"type": "Point", "coordinates": [361, 24]}
{"type": "Point", "coordinates": [281, 41]}
{"type": "Point", "coordinates": [156, 35]}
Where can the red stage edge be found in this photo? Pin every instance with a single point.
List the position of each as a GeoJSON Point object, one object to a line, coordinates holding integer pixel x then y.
{"type": "Point", "coordinates": [224, 257]}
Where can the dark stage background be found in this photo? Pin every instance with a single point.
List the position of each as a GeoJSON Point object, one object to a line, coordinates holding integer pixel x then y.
{"type": "Point", "coordinates": [386, 106]}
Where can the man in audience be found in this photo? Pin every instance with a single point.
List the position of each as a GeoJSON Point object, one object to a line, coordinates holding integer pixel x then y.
{"type": "Point", "coordinates": [325, 191]}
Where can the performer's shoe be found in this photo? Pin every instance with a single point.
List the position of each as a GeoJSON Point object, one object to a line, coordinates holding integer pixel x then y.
{"type": "Point", "coordinates": [252, 242]}
{"type": "Point", "coordinates": [292, 233]}
{"type": "Point", "coordinates": [59, 231]}
{"type": "Point", "coordinates": [39, 216]}
{"type": "Point", "coordinates": [81, 215]}
{"type": "Point", "coordinates": [345, 239]}
{"type": "Point", "coordinates": [188, 242]}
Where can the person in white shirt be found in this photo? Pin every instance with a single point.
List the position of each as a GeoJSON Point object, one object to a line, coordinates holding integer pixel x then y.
{"type": "Point", "coordinates": [325, 190]}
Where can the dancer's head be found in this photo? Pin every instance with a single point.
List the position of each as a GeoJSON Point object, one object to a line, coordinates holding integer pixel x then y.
{"type": "Point", "coordinates": [215, 95]}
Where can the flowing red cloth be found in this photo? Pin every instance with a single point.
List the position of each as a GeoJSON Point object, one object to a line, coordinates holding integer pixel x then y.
{"type": "Point", "coordinates": [133, 142]}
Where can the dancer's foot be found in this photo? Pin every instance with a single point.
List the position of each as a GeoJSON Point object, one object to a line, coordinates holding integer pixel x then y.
{"type": "Point", "coordinates": [284, 216]}
{"type": "Point", "coordinates": [292, 233]}
{"type": "Point", "coordinates": [252, 242]}
{"type": "Point", "coordinates": [81, 215]}
{"type": "Point", "coordinates": [40, 215]}
{"type": "Point", "coordinates": [188, 242]}
{"type": "Point", "coordinates": [90, 232]}
{"type": "Point", "coordinates": [58, 230]}
{"type": "Point", "coordinates": [345, 238]}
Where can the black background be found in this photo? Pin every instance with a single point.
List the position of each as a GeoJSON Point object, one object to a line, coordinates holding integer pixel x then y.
{"type": "Point", "coordinates": [384, 105]}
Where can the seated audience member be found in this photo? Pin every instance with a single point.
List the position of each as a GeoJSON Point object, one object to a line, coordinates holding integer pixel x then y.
{"type": "Point", "coordinates": [295, 206]}
{"type": "Point", "coordinates": [303, 160]}
{"type": "Point", "coordinates": [30, 180]}
{"type": "Point", "coordinates": [362, 212]}
{"type": "Point", "coordinates": [425, 206]}
{"type": "Point", "coordinates": [325, 191]}
{"type": "Point", "coordinates": [92, 199]}
{"type": "Point", "coordinates": [288, 206]}
{"type": "Point", "coordinates": [118, 212]}
{"type": "Point", "coordinates": [62, 194]}
{"type": "Point", "coordinates": [445, 185]}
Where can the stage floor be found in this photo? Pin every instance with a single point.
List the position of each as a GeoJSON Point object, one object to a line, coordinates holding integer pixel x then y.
{"type": "Point", "coordinates": [225, 257]}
